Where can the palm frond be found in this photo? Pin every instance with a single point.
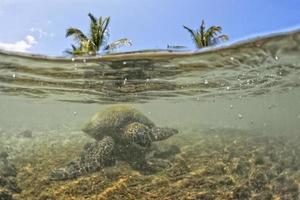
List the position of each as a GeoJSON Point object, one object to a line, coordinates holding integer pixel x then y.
{"type": "Point", "coordinates": [199, 42]}
{"type": "Point", "coordinates": [76, 33]}
{"type": "Point", "coordinates": [223, 37]}
{"type": "Point", "coordinates": [201, 33]}
{"type": "Point", "coordinates": [75, 51]}
{"type": "Point", "coordinates": [213, 31]}
{"type": "Point", "coordinates": [74, 47]}
{"type": "Point", "coordinates": [195, 36]}
{"type": "Point", "coordinates": [204, 38]}
{"type": "Point", "coordinates": [193, 33]}
{"type": "Point", "coordinates": [92, 18]}
{"type": "Point", "coordinates": [118, 43]}
{"type": "Point", "coordinates": [105, 23]}
{"type": "Point", "coordinates": [103, 31]}
{"type": "Point", "coordinates": [94, 33]}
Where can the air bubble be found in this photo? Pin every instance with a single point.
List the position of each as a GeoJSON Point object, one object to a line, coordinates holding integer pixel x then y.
{"type": "Point", "coordinates": [205, 82]}
{"type": "Point", "coordinates": [231, 58]}
{"type": "Point", "coordinates": [231, 106]}
{"type": "Point", "coordinates": [227, 88]}
{"type": "Point", "coordinates": [73, 59]}
{"type": "Point", "coordinates": [84, 60]}
{"type": "Point", "coordinates": [240, 116]}
{"type": "Point", "coordinates": [198, 98]}
{"type": "Point", "coordinates": [147, 80]}
{"type": "Point", "coordinates": [14, 75]}
{"type": "Point", "coordinates": [276, 58]}
{"type": "Point", "coordinates": [124, 63]}
{"type": "Point", "coordinates": [75, 113]}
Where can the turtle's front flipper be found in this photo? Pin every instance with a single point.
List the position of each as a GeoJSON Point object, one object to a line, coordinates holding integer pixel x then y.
{"type": "Point", "coordinates": [94, 157]}
{"type": "Point", "coordinates": [158, 133]}
{"type": "Point", "coordinates": [137, 133]}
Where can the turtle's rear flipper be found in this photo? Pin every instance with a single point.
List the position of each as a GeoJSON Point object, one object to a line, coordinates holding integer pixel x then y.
{"type": "Point", "coordinates": [94, 157]}
{"type": "Point", "coordinates": [159, 133]}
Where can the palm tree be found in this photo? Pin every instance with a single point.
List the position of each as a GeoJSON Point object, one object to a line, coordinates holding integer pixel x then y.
{"type": "Point", "coordinates": [203, 38]}
{"type": "Point", "coordinates": [98, 37]}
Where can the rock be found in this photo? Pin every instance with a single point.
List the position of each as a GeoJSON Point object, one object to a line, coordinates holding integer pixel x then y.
{"type": "Point", "coordinates": [25, 134]}
{"type": "Point", "coordinates": [5, 195]}
{"type": "Point", "coordinates": [8, 173]}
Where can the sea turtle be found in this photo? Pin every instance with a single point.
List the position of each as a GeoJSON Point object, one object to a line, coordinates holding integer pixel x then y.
{"type": "Point", "coordinates": [121, 133]}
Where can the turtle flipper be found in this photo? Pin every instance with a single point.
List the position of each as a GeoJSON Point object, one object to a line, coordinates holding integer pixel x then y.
{"type": "Point", "coordinates": [94, 157]}
{"type": "Point", "coordinates": [138, 133]}
{"type": "Point", "coordinates": [158, 133]}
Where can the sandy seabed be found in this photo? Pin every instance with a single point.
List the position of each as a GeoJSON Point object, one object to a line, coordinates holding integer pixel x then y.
{"type": "Point", "coordinates": [213, 164]}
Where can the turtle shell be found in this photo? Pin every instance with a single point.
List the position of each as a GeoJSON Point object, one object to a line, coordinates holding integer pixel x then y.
{"type": "Point", "coordinates": [112, 121]}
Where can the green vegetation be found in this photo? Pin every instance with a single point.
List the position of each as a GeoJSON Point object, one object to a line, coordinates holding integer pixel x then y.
{"type": "Point", "coordinates": [98, 36]}
{"type": "Point", "coordinates": [203, 38]}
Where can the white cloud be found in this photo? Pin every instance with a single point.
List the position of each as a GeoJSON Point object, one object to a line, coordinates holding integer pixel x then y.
{"type": "Point", "coordinates": [20, 46]}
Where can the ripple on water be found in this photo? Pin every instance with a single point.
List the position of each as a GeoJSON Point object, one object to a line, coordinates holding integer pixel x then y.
{"type": "Point", "coordinates": [249, 68]}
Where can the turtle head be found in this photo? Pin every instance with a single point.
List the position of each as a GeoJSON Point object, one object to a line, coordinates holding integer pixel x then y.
{"type": "Point", "coordinates": [162, 133]}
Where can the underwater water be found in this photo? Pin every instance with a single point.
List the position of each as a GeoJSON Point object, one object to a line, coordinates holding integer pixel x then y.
{"type": "Point", "coordinates": [236, 108]}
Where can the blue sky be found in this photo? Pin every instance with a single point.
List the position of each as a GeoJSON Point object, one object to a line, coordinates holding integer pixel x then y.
{"type": "Point", "coordinates": [38, 26]}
